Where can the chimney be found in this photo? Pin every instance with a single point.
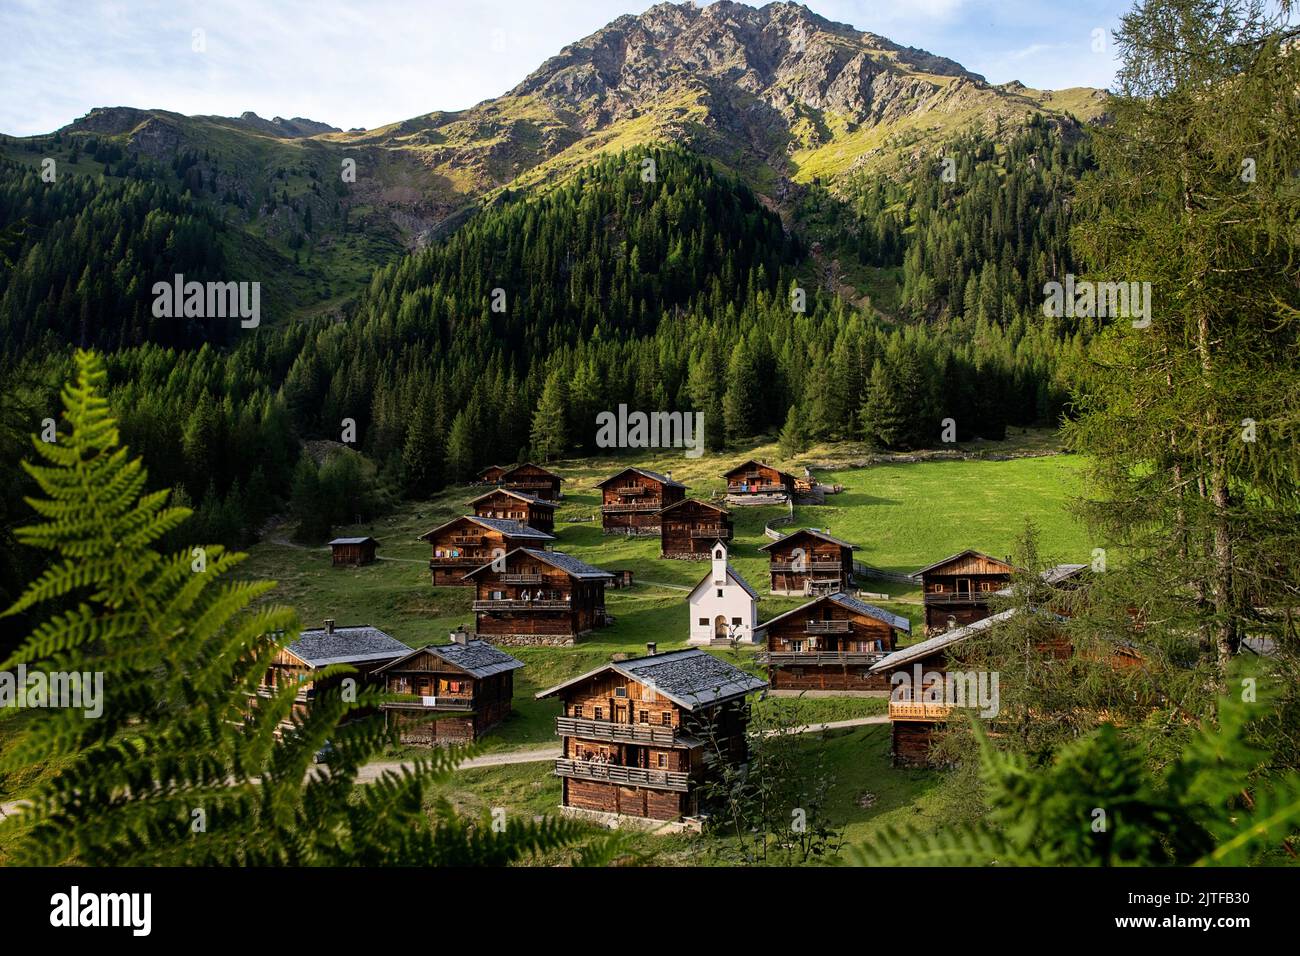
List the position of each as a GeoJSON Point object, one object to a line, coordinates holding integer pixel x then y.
{"type": "Point", "coordinates": [650, 648]}
{"type": "Point", "coordinates": [668, 475]}
{"type": "Point", "coordinates": [329, 625]}
{"type": "Point", "coordinates": [460, 635]}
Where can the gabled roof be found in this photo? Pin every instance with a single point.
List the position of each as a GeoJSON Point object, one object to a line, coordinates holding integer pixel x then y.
{"type": "Point", "coordinates": [930, 645]}
{"type": "Point", "coordinates": [753, 461]}
{"type": "Point", "coordinates": [345, 645]}
{"type": "Point", "coordinates": [528, 464]}
{"type": "Point", "coordinates": [653, 475]}
{"type": "Point", "coordinates": [556, 559]}
{"type": "Point", "coordinates": [506, 526]}
{"type": "Point", "coordinates": [476, 658]}
{"type": "Point", "coordinates": [697, 501]}
{"type": "Point", "coordinates": [1062, 572]}
{"type": "Point", "coordinates": [690, 678]}
{"type": "Point", "coordinates": [354, 540]}
{"type": "Point", "coordinates": [960, 554]}
{"type": "Point", "coordinates": [815, 533]}
{"type": "Point", "coordinates": [733, 574]}
{"type": "Point", "coordinates": [521, 495]}
{"type": "Point", "coordinates": [849, 603]}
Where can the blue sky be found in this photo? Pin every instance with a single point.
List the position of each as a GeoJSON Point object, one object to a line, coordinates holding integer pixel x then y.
{"type": "Point", "coordinates": [371, 63]}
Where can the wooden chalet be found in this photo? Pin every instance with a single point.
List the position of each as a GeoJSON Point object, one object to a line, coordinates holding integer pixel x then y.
{"type": "Point", "coordinates": [632, 499]}
{"type": "Point", "coordinates": [754, 482]}
{"type": "Point", "coordinates": [528, 478]}
{"type": "Point", "coordinates": [352, 552]}
{"type": "Point", "coordinates": [635, 733]}
{"type": "Point", "coordinates": [957, 589]}
{"type": "Point", "coordinates": [363, 647]}
{"type": "Point", "coordinates": [918, 702]}
{"type": "Point", "coordinates": [916, 706]}
{"type": "Point", "coordinates": [538, 597]}
{"type": "Point", "coordinates": [457, 691]}
{"type": "Point", "coordinates": [809, 561]}
{"type": "Point", "coordinates": [830, 643]}
{"type": "Point", "coordinates": [516, 506]}
{"type": "Point", "coordinates": [689, 528]}
{"type": "Point", "coordinates": [468, 542]}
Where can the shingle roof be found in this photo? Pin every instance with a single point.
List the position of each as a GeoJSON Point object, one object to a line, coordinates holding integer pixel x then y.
{"type": "Point", "coordinates": [346, 645]}
{"type": "Point", "coordinates": [353, 540]}
{"type": "Point", "coordinates": [816, 533]}
{"type": "Point", "coordinates": [521, 495]}
{"type": "Point", "coordinates": [932, 644]}
{"type": "Point", "coordinates": [512, 528]}
{"type": "Point", "coordinates": [556, 559]}
{"type": "Point", "coordinates": [850, 603]}
{"type": "Point", "coordinates": [528, 464]}
{"type": "Point", "coordinates": [697, 501]}
{"type": "Point", "coordinates": [1062, 572]}
{"type": "Point", "coordinates": [476, 658]}
{"type": "Point", "coordinates": [663, 479]}
{"type": "Point", "coordinates": [753, 461]}
{"type": "Point", "coordinates": [689, 678]}
{"type": "Point", "coordinates": [507, 526]}
{"type": "Point", "coordinates": [568, 564]}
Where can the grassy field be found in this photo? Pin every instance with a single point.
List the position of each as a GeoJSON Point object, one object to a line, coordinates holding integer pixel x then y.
{"type": "Point", "coordinates": [901, 516]}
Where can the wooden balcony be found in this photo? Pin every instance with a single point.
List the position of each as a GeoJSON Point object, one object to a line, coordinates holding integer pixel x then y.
{"type": "Point", "coordinates": [521, 579]}
{"type": "Point", "coordinates": [757, 488]}
{"type": "Point", "coordinates": [646, 504]}
{"type": "Point", "coordinates": [631, 490]}
{"type": "Point", "coordinates": [712, 531]}
{"type": "Point", "coordinates": [622, 733]}
{"type": "Point", "coordinates": [440, 702]}
{"type": "Point", "coordinates": [631, 776]}
{"type": "Point", "coordinates": [464, 539]}
{"type": "Point", "coordinates": [805, 566]}
{"type": "Point", "coordinates": [918, 710]}
{"type": "Point", "coordinates": [824, 658]}
{"type": "Point", "coordinates": [517, 605]}
{"type": "Point", "coordinates": [959, 597]}
{"type": "Point", "coordinates": [828, 627]}
{"type": "Point", "coordinates": [463, 561]}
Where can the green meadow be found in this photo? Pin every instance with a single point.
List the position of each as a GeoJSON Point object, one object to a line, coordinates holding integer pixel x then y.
{"type": "Point", "coordinates": [900, 516]}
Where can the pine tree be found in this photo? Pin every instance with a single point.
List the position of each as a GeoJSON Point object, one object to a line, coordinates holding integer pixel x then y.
{"type": "Point", "coordinates": [549, 432]}
{"type": "Point", "coordinates": [793, 440]}
{"type": "Point", "coordinates": [1190, 414]}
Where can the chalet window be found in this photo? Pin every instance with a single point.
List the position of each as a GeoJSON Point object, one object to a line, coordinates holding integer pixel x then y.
{"type": "Point", "coordinates": [600, 713]}
{"type": "Point", "coordinates": [577, 710]}
{"type": "Point", "coordinates": [796, 646]}
{"type": "Point", "coordinates": [735, 621]}
{"type": "Point", "coordinates": [663, 760]}
{"type": "Point", "coordinates": [620, 691]}
{"type": "Point", "coordinates": [645, 717]}
{"type": "Point", "coordinates": [719, 592]}
{"type": "Point", "coordinates": [667, 719]}
{"type": "Point", "coordinates": [704, 622]}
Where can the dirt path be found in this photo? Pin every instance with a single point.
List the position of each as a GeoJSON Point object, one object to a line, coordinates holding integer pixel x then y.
{"type": "Point", "coordinates": [371, 771]}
